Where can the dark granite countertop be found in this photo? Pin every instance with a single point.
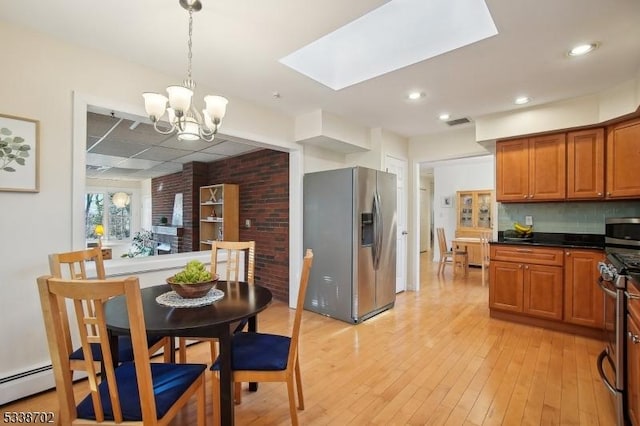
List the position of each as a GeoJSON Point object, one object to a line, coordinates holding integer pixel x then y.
{"type": "Point", "coordinates": [552, 239]}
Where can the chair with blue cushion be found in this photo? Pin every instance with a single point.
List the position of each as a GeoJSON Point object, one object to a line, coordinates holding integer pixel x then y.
{"type": "Point", "coordinates": [262, 357]}
{"type": "Point", "coordinates": [234, 250]}
{"type": "Point", "coordinates": [138, 392]}
{"type": "Point", "coordinates": [76, 264]}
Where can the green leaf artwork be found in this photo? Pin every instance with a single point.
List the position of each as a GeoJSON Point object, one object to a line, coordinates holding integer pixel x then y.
{"type": "Point", "coordinates": [14, 151]}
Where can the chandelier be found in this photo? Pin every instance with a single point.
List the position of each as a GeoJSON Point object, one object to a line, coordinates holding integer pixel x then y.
{"type": "Point", "coordinates": [182, 115]}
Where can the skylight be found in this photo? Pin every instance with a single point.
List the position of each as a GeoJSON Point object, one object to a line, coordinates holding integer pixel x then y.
{"type": "Point", "coordinates": [397, 34]}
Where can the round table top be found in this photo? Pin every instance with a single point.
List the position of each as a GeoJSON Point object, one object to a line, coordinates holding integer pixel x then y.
{"type": "Point", "coordinates": [240, 301]}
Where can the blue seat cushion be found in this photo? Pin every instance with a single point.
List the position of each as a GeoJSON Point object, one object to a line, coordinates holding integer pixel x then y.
{"type": "Point", "coordinates": [170, 381]}
{"type": "Point", "coordinates": [125, 350]}
{"type": "Point", "coordinates": [258, 351]}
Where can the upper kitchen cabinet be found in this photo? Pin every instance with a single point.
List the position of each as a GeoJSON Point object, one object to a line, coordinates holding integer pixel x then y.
{"type": "Point", "coordinates": [531, 169]}
{"type": "Point", "coordinates": [585, 164]}
{"type": "Point", "coordinates": [623, 157]}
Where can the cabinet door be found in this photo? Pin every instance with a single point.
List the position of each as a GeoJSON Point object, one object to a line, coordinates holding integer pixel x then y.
{"type": "Point", "coordinates": [585, 164]}
{"type": "Point", "coordinates": [583, 299]}
{"type": "Point", "coordinates": [633, 371]}
{"type": "Point", "coordinates": [543, 291]}
{"type": "Point", "coordinates": [623, 157]}
{"type": "Point", "coordinates": [484, 214]}
{"type": "Point", "coordinates": [512, 170]}
{"type": "Point", "coordinates": [466, 207]}
{"type": "Point", "coordinates": [506, 286]}
{"type": "Point", "coordinates": [547, 167]}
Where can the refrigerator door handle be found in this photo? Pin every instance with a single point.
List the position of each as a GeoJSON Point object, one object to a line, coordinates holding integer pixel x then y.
{"type": "Point", "coordinates": [377, 230]}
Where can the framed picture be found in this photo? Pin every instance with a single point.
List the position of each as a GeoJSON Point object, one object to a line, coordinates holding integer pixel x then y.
{"type": "Point", "coordinates": [19, 154]}
{"type": "Point", "coordinates": [447, 201]}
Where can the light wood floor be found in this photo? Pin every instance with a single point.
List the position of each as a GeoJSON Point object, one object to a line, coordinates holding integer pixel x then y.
{"type": "Point", "coordinates": [436, 358]}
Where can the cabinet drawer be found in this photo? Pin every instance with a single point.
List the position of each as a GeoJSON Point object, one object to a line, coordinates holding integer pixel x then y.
{"type": "Point", "coordinates": [525, 254]}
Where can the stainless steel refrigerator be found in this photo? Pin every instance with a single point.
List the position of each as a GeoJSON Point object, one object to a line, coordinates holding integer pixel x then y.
{"type": "Point", "coordinates": [350, 223]}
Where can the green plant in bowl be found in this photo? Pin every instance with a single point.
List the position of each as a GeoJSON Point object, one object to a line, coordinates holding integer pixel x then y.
{"type": "Point", "coordinates": [193, 281]}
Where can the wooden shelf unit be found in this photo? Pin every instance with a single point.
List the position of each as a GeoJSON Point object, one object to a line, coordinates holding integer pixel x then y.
{"type": "Point", "coordinates": [219, 214]}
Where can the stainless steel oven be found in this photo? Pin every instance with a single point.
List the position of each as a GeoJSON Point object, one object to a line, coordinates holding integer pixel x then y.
{"type": "Point", "coordinates": [622, 245]}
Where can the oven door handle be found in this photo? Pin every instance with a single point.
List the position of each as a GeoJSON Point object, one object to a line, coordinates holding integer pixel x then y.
{"type": "Point", "coordinates": [604, 288]}
{"type": "Point", "coordinates": [603, 376]}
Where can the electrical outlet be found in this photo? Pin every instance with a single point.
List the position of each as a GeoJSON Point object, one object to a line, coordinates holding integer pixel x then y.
{"type": "Point", "coordinates": [247, 223]}
{"type": "Point", "coordinates": [528, 220]}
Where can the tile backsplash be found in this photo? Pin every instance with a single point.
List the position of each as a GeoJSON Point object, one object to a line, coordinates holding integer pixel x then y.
{"type": "Point", "coordinates": [571, 217]}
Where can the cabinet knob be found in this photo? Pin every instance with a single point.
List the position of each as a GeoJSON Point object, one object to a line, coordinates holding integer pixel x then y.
{"type": "Point", "coordinates": [608, 194]}
{"type": "Point", "coordinates": [633, 337]}
{"type": "Point", "coordinates": [525, 196]}
{"type": "Point", "coordinates": [599, 194]}
{"type": "Point", "coordinates": [531, 196]}
{"type": "Point", "coordinates": [526, 266]}
{"type": "Point", "coordinates": [568, 253]}
{"type": "Point", "coordinates": [519, 266]}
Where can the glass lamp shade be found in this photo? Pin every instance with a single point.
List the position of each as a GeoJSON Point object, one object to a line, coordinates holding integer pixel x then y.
{"type": "Point", "coordinates": [120, 199]}
{"type": "Point", "coordinates": [216, 106]}
{"type": "Point", "coordinates": [179, 99]}
{"type": "Point", "coordinates": [155, 104]}
{"type": "Point", "coordinates": [99, 230]}
{"type": "Point", "coordinates": [191, 130]}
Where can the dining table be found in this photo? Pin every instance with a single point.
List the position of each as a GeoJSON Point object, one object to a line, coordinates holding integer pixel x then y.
{"type": "Point", "coordinates": [239, 301]}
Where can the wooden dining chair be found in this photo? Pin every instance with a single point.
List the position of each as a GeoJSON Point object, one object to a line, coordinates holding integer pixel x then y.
{"type": "Point", "coordinates": [485, 237]}
{"type": "Point", "coordinates": [261, 357]}
{"type": "Point", "coordinates": [73, 265]}
{"type": "Point", "coordinates": [455, 257]}
{"type": "Point", "coordinates": [138, 392]}
{"type": "Point", "coordinates": [232, 274]}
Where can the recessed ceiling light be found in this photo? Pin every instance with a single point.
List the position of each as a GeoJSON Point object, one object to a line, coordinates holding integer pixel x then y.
{"type": "Point", "coordinates": [582, 49]}
{"type": "Point", "coordinates": [415, 95]}
{"type": "Point", "coordinates": [520, 100]}
{"type": "Point", "coordinates": [444, 117]}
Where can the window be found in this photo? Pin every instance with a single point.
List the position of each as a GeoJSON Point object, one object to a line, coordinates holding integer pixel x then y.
{"type": "Point", "coordinates": [115, 218]}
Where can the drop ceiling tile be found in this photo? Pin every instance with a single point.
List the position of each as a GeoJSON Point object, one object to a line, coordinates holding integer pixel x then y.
{"type": "Point", "coordinates": [202, 157]}
{"type": "Point", "coordinates": [142, 133]}
{"type": "Point", "coordinates": [138, 163]}
{"type": "Point", "coordinates": [98, 124]}
{"type": "Point", "coordinates": [100, 160]}
{"type": "Point", "coordinates": [118, 149]}
{"type": "Point", "coordinates": [229, 149]}
{"type": "Point", "coordinates": [159, 153]}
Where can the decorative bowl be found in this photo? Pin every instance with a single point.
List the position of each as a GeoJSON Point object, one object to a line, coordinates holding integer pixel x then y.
{"type": "Point", "coordinates": [192, 290]}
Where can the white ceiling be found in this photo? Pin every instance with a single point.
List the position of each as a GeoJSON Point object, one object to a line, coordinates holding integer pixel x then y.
{"type": "Point", "coordinates": [237, 46]}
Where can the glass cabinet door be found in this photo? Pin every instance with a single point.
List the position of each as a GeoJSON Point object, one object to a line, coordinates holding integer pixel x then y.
{"type": "Point", "coordinates": [483, 203]}
{"type": "Point", "coordinates": [466, 207]}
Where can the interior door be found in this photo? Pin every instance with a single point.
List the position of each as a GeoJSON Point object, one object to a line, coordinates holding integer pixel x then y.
{"type": "Point", "coordinates": [400, 168]}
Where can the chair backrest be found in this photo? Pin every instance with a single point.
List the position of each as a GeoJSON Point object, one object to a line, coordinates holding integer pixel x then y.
{"type": "Point", "coordinates": [485, 237]}
{"type": "Point", "coordinates": [234, 249]}
{"type": "Point", "coordinates": [92, 329]}
{"type": "Point", "coordinates": [302, 291]}
{"type": "Point", "coordinates": [75, 262]}
{"type": "Point", "coordinates": [442, 241]}
{"type": "Point", "coordinates": [72, 265]}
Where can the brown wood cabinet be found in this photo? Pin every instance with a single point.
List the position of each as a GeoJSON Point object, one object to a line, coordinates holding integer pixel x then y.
{"type": "Point", "coordinates": [219, 214]}
{"type": "Point", "coordinates": [526, 280]}
{"type": "Point", "coordinates": [633, 357]}
{"type": "Point", "coordinates": [531, 169]}
{"type": "Point", "coordinates": [583, 299]}
{"type": "Point", "coordinates": [585, 164]}
{"type": "Point", "coordinates": [623, 157]}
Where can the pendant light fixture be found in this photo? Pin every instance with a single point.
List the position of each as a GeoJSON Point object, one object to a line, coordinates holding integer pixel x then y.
{"type": "Point", "coordinates": [182, 115]}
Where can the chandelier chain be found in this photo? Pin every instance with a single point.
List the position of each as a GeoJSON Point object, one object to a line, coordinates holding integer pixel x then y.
{"type": "Point", "coordinates": [190, 43]}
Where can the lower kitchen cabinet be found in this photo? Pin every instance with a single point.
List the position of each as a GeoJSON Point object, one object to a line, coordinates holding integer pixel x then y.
{"type": "Point", "coordinates": [531, 289]}
{"type": "Point", "coordinates": [583, 299]}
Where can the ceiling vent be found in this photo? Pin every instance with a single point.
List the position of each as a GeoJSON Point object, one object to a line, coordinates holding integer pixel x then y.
{"type": "Point", "coordinates": [458, 121]}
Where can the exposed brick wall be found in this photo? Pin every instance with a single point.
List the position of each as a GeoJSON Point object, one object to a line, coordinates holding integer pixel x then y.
{"type": "Point", "coordinates": [263, 179]}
